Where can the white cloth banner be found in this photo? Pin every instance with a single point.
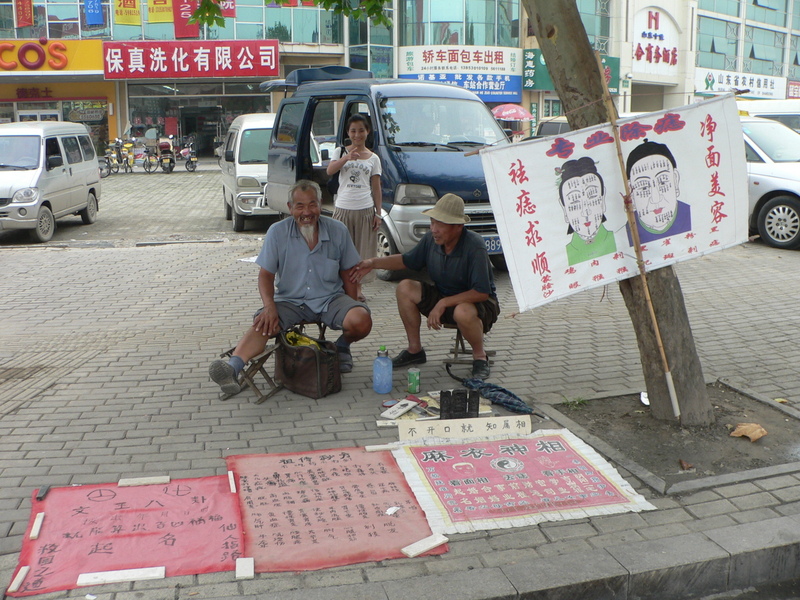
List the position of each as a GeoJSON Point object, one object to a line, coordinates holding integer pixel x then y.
{"type": "Point", "coordinates": [559, 204]}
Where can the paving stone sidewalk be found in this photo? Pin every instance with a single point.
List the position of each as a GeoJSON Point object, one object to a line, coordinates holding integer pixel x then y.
{"type": "Point", "coordinates": [104, 352]}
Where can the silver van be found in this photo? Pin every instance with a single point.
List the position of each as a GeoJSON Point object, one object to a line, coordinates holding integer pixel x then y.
{"type": "Point", "coordinates": [244, 167]}
{"type": "Point", "coordinates": [48, 170]}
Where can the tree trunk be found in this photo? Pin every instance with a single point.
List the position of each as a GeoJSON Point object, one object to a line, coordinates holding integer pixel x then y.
{"type": "Point", "coordinates": [575, 73]}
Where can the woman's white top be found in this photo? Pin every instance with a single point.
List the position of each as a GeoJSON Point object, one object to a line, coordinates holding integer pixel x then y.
{"type": "Point", "coordinates": [355, 190]}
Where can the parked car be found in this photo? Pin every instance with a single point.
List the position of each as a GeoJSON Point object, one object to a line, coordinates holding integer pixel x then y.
{"type": "Point", "coordinates": [785, 111]}
{"type": "Point", "coordinates": [423, 132]}
{"type": "Point", "coordinates": [773, 171]}
{"type": "Point", "coordinates": [48, 170]}
{"type": "Point", "coordinates": [244, 167]}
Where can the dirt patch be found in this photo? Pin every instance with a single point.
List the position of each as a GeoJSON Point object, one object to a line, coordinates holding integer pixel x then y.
{"type": "Point", "coordinates": [625, 424]}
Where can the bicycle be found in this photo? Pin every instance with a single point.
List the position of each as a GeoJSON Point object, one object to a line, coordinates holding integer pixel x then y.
{"type": "Point", "coordinates": [149, 161]}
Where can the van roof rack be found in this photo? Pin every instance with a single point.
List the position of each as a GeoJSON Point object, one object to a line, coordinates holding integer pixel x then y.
{"type": "Point", "coordinates": [300, 76]}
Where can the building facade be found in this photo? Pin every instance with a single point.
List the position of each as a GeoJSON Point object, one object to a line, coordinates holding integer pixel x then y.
{"type": "Point", "coordinates": [131, 66]}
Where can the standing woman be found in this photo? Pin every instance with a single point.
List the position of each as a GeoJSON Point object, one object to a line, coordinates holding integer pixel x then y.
{"type": "Point", "coordinates": [358, 201]}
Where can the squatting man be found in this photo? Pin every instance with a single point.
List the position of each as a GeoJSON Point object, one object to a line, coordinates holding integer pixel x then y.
{"type": "Point", "coordinates": [463, 291]}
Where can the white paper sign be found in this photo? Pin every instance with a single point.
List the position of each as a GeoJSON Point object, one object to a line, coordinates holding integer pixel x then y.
{"type": "Point", "coordinates": [559, 201]}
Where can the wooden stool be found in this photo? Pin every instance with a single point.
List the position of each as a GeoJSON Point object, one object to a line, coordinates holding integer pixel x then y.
{"type": "Point", "coordinates": [459, 349]}
{"type": "Point", "coordinates": [256, 365]}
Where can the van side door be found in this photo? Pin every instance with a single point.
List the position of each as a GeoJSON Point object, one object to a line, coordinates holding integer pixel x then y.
{"type": "Point", "coordinates": [289, 152]}
{"type": "Point", "coordinates": [228, 165]}
{"type": "Point", "coordinates": [56, 185]}
{"type": "Point", "coordinates": [75, 170]}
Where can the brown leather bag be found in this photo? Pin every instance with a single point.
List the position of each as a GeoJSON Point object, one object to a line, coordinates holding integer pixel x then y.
{"type": "Point", "coordinates": [310, 370]}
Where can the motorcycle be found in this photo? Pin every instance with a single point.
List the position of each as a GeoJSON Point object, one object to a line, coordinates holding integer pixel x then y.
{"type": "Point", "coordinates": [189, 155]}
{"type": "Point", "coordinates": [124, 151]}
{"type": "Point", "coordinates": [166, 154]}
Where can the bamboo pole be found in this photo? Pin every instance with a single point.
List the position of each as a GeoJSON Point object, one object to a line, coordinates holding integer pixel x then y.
{"type": "Point", "coordinates": [637, 246]}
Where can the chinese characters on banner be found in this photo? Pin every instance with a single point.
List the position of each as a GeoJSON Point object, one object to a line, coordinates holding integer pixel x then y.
{"type": "Point", "coordinates": [93, 12]}
{"type": "Point", "coordinates": [182, 11]}
{"type": "Point", "coordinates": [126, 12]}
{"type": "Point", "coordinates": [148, 60]}
{"type": "Point", "coordinates": [228, 8]}
{"type": "Point", "coordinates": [315, 510]}
{"type": "Point", "coordinates": [159, 11]}
{"type": "Point", "coordinates": [547, 476]}
{"type": "Point", "coordinates": [23, 13]}
{"type": "Point", "coordinates": [189, 526]}
{"type": "Point", "coordinates": [559, 208]}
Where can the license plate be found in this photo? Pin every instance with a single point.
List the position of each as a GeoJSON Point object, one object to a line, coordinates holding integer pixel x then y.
{"type": "Point", "coordinates": [193, 159]}
{"type": "Point", "coordinates": [493, 244]}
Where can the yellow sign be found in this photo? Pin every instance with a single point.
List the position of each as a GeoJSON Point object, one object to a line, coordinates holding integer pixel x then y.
{"type": "Point", "coordinates": [159, 11]}
{"type": "Point", "coordinates": [126, 12]}
{"type": "Point", "coordinates": [20, 56]}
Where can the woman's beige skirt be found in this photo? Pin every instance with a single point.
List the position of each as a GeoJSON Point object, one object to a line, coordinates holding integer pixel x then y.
{"type": "Point", "coordinates": [365, 239]}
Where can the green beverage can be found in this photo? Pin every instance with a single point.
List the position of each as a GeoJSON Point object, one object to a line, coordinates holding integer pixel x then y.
{"type": "Point", "coordinates": [413, 380]}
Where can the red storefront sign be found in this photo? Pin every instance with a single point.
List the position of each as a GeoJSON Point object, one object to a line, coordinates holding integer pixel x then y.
{"type": "Point", "coordinates": [159, 60]}
{"type": "Point", "coordinates": [182, 10]}
{"type": "Point", "coordinates": [23, 13]}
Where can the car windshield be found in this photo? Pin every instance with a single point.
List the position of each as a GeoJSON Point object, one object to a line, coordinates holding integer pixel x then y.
{"type": "Point", "coordinates": [254, 146]}
{"type": "Point", "coordinates": [19, 152]}
{"type": "Point", "coordinates": [778, 142]}
{"type": "Point", "coordinates": [438, 123]}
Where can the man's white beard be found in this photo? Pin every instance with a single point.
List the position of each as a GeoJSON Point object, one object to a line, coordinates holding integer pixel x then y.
{"type": "Point", "coordinates": [308, 232]}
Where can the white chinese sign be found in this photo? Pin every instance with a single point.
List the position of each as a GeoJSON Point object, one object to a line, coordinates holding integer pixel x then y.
{"type": "Point", "coordinates": [559, 201]}
{"type": "Point", "coordinates": [655, 44]}
{"type": "Point", "coordinates": [714, 81]}
{"type": "Point", "coordinates": [492, 72]}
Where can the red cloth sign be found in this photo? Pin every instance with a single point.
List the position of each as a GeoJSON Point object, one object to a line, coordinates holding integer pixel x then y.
{"type": "Point", "coordinates": [23, 13]}
{"type": "Point", "coordinates": [315, 510]}
{"type": "Point", "coordinates": [182, 10]}
{"type": "Point", "coordinates": [189, 526]}
{"type": "Point", "coordinates": [511, 482]}
{"type": "Point", "coordinates": [159, 60]}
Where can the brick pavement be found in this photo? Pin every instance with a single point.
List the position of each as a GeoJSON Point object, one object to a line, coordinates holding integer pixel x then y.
{"type": "Point", "coordinates": [104, 350]}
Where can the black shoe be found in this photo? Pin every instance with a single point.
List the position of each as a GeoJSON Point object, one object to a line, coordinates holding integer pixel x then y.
{"type": "Point", "coordinates": [345, 361]}
{"type": "Point", "coordinates": [225, 376]}
{"type": "Point", "coordinates": [406, 358]}
{"type": "Point", "coordinates": [480, 369]}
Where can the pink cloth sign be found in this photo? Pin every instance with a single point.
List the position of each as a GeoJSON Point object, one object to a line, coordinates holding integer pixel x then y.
{"type": "Point", "coordinates": [315, 510]}
{"type": "Point", "coordinates": [488, 484]}
{"type": "Point", "coordinates": [189, 526]}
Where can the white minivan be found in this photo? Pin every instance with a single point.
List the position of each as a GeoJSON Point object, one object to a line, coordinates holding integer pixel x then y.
{"type": "Point", "coordinates": [244, 167]}
{"type": "Point", "coordinates": [48, 170]}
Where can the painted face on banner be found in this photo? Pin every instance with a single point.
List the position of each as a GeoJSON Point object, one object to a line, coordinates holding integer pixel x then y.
{"type": "Point", "coordinates": [584, 204]}
{"type": "Point", "coordinates": [654, 189]}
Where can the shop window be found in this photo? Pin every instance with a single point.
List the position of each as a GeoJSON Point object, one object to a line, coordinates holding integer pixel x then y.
{"type": "Point", "coordinates": [305, 25]}
{"type": "Point", "coordinates": [279, 24]}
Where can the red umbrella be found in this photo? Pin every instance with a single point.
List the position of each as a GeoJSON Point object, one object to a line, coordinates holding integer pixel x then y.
{"type": "Point", "coordinates": [511, 112]}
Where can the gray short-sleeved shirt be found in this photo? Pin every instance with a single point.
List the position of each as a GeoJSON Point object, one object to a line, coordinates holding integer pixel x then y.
{"type": "Point", "coordinates": [304, 276]}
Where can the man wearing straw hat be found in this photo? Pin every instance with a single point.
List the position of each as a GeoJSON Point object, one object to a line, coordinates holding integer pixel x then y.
{"type": "Point", "coordinates": [463, 291]}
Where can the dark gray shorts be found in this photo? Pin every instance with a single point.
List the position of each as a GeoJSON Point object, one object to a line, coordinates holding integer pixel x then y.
{"type": "Point", "coordinates": [333, 316]}
{"type": "Point", "coordinates": [488, 310]}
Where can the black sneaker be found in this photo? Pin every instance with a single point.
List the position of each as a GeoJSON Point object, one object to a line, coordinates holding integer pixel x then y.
{"type": "Point", "coordinates": [345, 361]}
{"type": "Point", "coordinates": [224, 375]}
{"type": "Point", "coordinates": [406, 358]}
{"type": "Point", "coordinates": [480, 369]}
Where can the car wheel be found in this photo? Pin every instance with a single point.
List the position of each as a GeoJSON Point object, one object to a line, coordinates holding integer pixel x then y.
{"type": "Point", "coordinates": [89, 214]}
{"type": "Point", "coordinates": [228, 211]}
{"type": "Point", "coordinates": [498, 262]}
{"type": "Point", "coordinates": [45, 226]}
{"type": "Point", "coordinates": [386, 247]}
{"type": "Point", "coordinates": [238, 221]}
{"type": "Point", "coordinates": [779, 222]}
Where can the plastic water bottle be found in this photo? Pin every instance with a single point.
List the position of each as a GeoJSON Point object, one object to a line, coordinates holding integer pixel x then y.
{"type": "Point", "coordinates": [382, 372]}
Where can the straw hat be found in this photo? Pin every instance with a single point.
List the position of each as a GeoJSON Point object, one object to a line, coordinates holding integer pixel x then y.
{"type": "Point", "coordinates": [449, 209]}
